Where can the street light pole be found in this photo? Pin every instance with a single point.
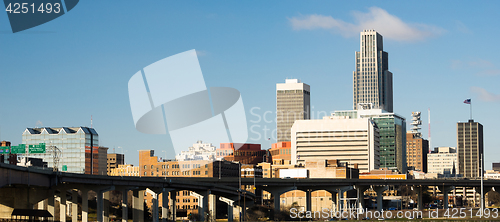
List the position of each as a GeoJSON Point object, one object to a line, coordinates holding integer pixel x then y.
{"type": "Point", "coordinates": [482, 185]}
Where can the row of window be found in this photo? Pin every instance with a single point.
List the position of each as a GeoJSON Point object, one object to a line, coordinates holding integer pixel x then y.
{"type": "Point", "coordinates": [175, 173]}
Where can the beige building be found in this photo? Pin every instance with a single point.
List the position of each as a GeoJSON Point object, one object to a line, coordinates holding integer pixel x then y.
{"type": "Point", "coordinates": [470, 148]}
{"type": "Point", "coordinates": [114, 160]}
{"type": "Point", "coordinates": [292, 103]}
{"type": "Point", "coordinates": [186, 202]}
{"type": "Point", "coordinates": [355, 141]}
{"type": "Point", "coordinates": [316, 169]}
{"type": "Point", "coordinates": [125, 170]}
{"type": "Point", "coordinates": [443, 160]}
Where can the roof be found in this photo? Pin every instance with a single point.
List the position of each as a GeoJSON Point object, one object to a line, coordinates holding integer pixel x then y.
{"type": "Point", "coordinates": [60, 130]}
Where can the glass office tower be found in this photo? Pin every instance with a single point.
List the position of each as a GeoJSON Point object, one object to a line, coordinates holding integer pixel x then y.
{"type": "Point", "coordinates": [72, 142]}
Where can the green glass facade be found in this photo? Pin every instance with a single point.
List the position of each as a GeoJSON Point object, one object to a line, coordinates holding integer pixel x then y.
{"type": "Point", "coordinates": [392, 129]}
{"type": "Point", "coordinates": [392, 142]}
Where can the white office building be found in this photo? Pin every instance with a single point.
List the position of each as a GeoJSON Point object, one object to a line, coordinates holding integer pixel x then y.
{"type": "Point", "coordinates": [355, 141]}
{"type": "Point", "coordinates": [392, 128]}
{"type": "Point", "coordinates": [443, 160]}
{"type": "Point", "coordinates": [71, 143]}
{"type": "Point", "coordinates": [199, 151]}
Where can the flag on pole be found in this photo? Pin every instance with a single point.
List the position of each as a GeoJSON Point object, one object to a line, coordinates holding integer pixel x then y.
{"type": "Point", "coordinates": [467, 101]}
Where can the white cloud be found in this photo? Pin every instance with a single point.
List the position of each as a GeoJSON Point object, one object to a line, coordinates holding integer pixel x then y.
{"type": "Point", "coordinates": [480, 67]}
{"type": "Point", "coordinates": [485, 95]}
{"type": "Point", "coordinates": [390, 26]}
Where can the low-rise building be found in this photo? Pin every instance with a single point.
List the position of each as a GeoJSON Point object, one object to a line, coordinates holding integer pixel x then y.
{"type": "Point", "coordinates": [125, 170]}
{"type": "Point", "coordinates": [443, 160]}
{"type": "Point", "coordinates": [355, 141]}
{"type": "Point", "coordinates": [150, 166]}
{"type": "Point", "coordinates": [114, 160]}
{"type": "Point", "coordinates": [199, 151]}
{"type": "Point", "coordinates": [5, 155]}
{"type": "Point", "coordinates": [492, 174]}
{"type": "Point", "coordinates": [281, 153]}
{"type": "Point", "coordinates": [244, 153]}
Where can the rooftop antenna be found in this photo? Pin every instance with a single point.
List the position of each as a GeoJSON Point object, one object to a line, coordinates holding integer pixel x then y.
{"type": "Point", "coordinates": [91, 121]}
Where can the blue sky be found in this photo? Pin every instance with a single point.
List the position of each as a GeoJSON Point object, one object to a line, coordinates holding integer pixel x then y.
{"type": "Point", "coordinates": [62, 72]}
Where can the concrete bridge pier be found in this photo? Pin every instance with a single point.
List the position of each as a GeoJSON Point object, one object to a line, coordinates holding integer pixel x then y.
{"type": "Point", "coordinates": [212, 206]}
{"type": "Point", "coordinates": [105, 205]}
{"type": "Point", "coordinates": [173, 209]}
{"type": "Point", "coordinates": [62, 205]}
{"type": "Point", "coordinates": [85, 204]}
{"type": "Point", "coordinates": [51, 202]}
{"type": "Point", "coordinates": [230, 208]}
{"type": "Point", "coordinates": [124, 190]}
{"type": "Point", "coordinates": [380, 197]}
{"type": "Point", "coordinates": [124, 205]}
{"type": "Point", "coordinates": [361, 196]}
{"type": "Point", "coordinates": [138, 205]}
{"type": "Point", "coordinates": [420, 202]}
{"type": "Point", "coordinates": [308, 199]}
{"type": "Point", "coordinates": [74, 206]}
{"type": "Point", "coordinates": [276, 193]}
{"type": "Point", "coordinates": [154, 193]}
{"type": "Point", "coordinates": [203, 197]}
{"type": "Point", "coordinates": [446, 190]}
{"type": "Point", "coordinates": [335, 200]}
{"type": "Point", "coordinates": [336, 190]}
{"type": "Point", "coordinates": [102, 211]}
{"type": "Point", "coordinates": [165, 204]}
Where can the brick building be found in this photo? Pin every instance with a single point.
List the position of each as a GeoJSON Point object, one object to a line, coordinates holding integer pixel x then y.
{"type": "Point", "coordinates": [5, 155]}
{"type": "Point", "coordinates": [244, 153]}
{"type": "Point", "coordinates": [281, 153]}
{"type": "Point", "coordinates": [186, 202]}
{"type": "Point", "coordinates": [417, 149]}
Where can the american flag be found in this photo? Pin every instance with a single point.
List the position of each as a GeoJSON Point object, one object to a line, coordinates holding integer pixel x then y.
{"type": "Point", "coordinates": [467, 101]}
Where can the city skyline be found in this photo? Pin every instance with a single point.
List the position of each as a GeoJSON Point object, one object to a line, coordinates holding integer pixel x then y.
{"type": "Point", "coordinates": [63, 72]}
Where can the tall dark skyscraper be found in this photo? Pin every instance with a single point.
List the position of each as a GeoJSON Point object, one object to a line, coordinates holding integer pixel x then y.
{"type": "Point", "coordinates": [372, 81]}
{"type": "Point", "coordinates": [470, 148]}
